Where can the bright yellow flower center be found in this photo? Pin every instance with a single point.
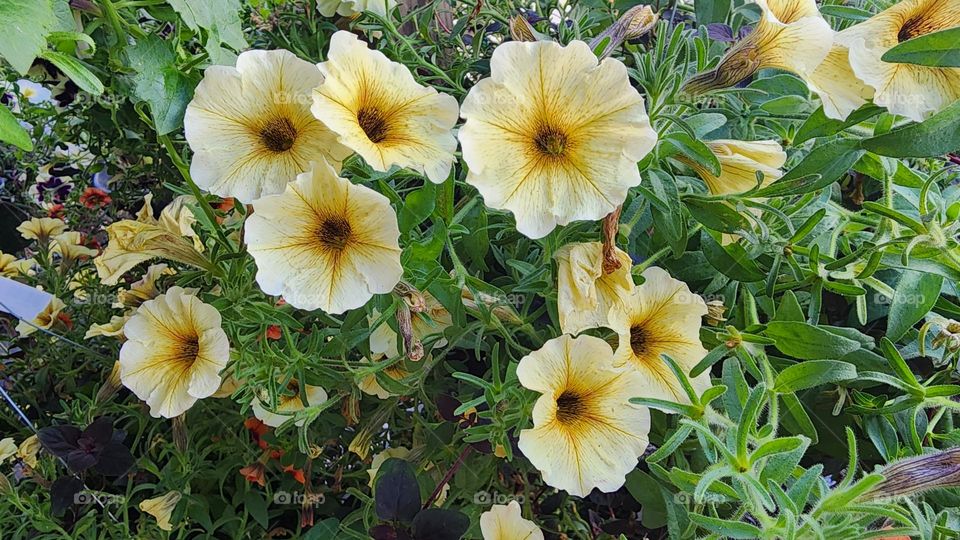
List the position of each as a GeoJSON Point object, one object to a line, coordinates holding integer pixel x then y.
{"type": "Point", "coordinates": [278, 135]}
{"type": "Point", "coordinates": [373, 123]}
{"type": "Point", "coordinates": [334, 233]}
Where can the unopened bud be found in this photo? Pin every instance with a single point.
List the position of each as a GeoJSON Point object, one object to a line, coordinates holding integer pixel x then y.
{"type": "Point", "coordinates": [521, 29]}
{"type": "Point", "coordinates": [411, 345]}
{"type": "Point", "coordinates": [918, 474]}
{"type": "Point", "coordinates": [414, 298]}
{"type": "Point", "coordinates": [634, 23]}
{"type": "Point", "coordinates": [180, 438]}
{"type": "Point", "coordinates": [611, 262]}
{"type": "Point", "coordinates": [715, 311]}
{"type": "Point", "coordinates": [110, 386]}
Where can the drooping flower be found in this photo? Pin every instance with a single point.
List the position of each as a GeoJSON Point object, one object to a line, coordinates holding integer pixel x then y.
{"type": "Point", "coordinates": [791, 35]}
{"type": "Point", "coordinates": [552, 135]}
{"type": "Point", "coordinates": [70, 247]}
{"type": "Point", "coordinates": [174, 352]}
{"type": "Point", "coordinates": [585, 293]}
{"type": "Point", "coordinates": [254, 473]}
{"type": "Point", "coordinates": [739, 163]}
{"type": "Point", "coordinates": [28, 450]}
{"type": "Point", "coordinates": [379, 111]}
{"type": "Point", "coordinates": [290, 402]}
{"type": "Point", "coordinates": [250, 127]}
{"type": "Point", "coordinates": [131, 242]}
{"type": "Point", "coordinates": [41, 229]}
{"type": "Point", "coordinates": [370, 385]}
{"type": "Point", "coordinates": [325, 243]}
{"type": "Point", "coordinates": [586, 434]}
{"type": "Point", "coordinates": [350, 8]}
{"type": "Point", "coordinates": [113, 328]}
{"type": "Point", "coordinates": [661, 316]}
{"type": "Point", "coordinates": [161, 508]}
{"type": "Point", "coordinates": [505, 522]}
{"type": "Point", "coordinates": [94, 198]}
{"type": "Point", "coordinates": [910, 90]}
{"type": "Point", "coordinates": [143, 289]}
{"type": "Point", "coordinates": [46, 319]}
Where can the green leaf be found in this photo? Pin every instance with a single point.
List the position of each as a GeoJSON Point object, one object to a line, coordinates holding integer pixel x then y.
{"type": "Point", "coordinates": [731, 261]}
{"type": "Point", "coordinates": [938, 49]}
{"type": "Point", "coordinates": [417, 206]}
{"type": "Point", "coordinates": [221, 20]}
{"type": "Point", "coordinates": [789, 309]}
{"type": "Point", "coordinates": [78, 73]}
{"type": "Point", "coordinates": [693, 149]}
{"type": "Point", "coordinates": [440, 524]}
{"type": "Point", "coordinates": [819, 125]}
{"type": "Point", "coordinates": [667, 210]}
{"type": "Point", "coordinates": [324, 530]}
{"type": "Point", "coordinates": [25, 24]}
{"type": "Point", "coordinates": [645, 490]}
{"type": "Point", "coordinates": [726, 527]}
{"type": "Point", "coordinates": [12, 132]}
{"type": "Point", "coordinates": [159, 82]}
{"type": "Point", "coordinates": [914, 296]}
{"type": "Point", "coordinates": [807, 342]}
{"type": "Point", "coordinates": [796, 419]}
{"type": "Point", "coordinates": [934, 137]}
{"type": "Point", "coordinates": [717, 215]}
{"type": "Point", "coordinates": [831, 160]}
{"type": "Point", "coordinates": [711, 11]}
{"type": "Point", "coordinates": [813, 373]}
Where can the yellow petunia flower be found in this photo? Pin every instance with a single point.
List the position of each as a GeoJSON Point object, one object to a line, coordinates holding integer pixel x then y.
{"type": "Point", "coordinates": [69, 246]}
{"type": "Point", "coordinates": [250, 127]}
{"type": "Point", "coordinates": [161, 508]}
{"type": "Point", "coordinates": [41, 229]}
{"type": "Point", "coordinates": [8, 448]}
{"type": "Point", "coordinates": [113, 328]}
{"type": "Point", "coordinates": [739, 163]}
{"type": "Point", "coordinates": [909, 90]}
{"type": "Point", "coordinates": [379, 111]}
{"type": "Point", "coordinates": [174, 352]}
{"type": "Point", "coordinates": [350, 8]}
{"type": "Point", "coordinates": [145, 288]}
{"type": "Point", "coordinates": [554, 136]}
{"type": "Point", "coordinates": [791, 35]}
{"type": "Point", "coordinates": [12, 267]}
{"type": "Point", "coordinates": [325, 243]}
{"type": "Point", "coordinates": [131, 242]}
{"type": "Point", "coordinates": [662, 316]}
{"type": "Point", "coordinates": [585, 432]}
{"type": "Point", "coordinates": [505, 522]}
{"type": "Point", "coordinates": [585, 293]}
{"type": "Point", "coordinates": [838, 87]}
{"type": "Point", "coordinates": [369, 384]}
{"type": "Point", "coordinates": [290, 402]}
{"type": "Point", "coordinates": [46, 319]}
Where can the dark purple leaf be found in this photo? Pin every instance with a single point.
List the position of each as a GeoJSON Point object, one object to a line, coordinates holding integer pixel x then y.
{"type": "Point", "coordinates": [440, 524]}
{"type": "Point", "coordinates": [63, 492]}
{"type": "Point", "coordinates": [100, 431]}
{"type": "Point", "coordinates": [114, 460]}
{"type": "Point", "coordinates": [81, 460]}
{"type": "Point", "coordinates": [397, 493]}
{"type": "Point", "coordinates": [744, 31]}
{"type": "Point", "coordinates": [59, 440]}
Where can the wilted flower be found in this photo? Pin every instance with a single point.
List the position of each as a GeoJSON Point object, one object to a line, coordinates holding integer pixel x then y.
{"type": "Point", "coordinates": [505, 522]}
{"type": "Point", "coordinates": [325, 242]}
{"type": "Point", "coordinates": [910, 90]}
{"type": "Point", "coordinates": [585, 432]}
{"type": "Point", "coordinates": [251, 129]}
{"type": "Point", "coordinates": [41, 229]}
{"type": "Point", "coordinates": [910, 476]}
{"type": "Point", "coordinates": [133, 242]}
{"type": "Point", "coordinates": [585, 293]}
{"type": "Point", "coordinates": [254, 473]}
{"type": "Point", "coordinates": [552, 135]}
{"type": "Point", "coordinates": [522, 30]}
{"type": "Point", "coordinates": [370, 385]}
{"type": "Point", "coordinates": [350, 8]}
{"type": "Point", "coordinates": [28, 450]}
{"type": "Point", "coordinates": [661, 316]}
{"type": "Point", "coordinates": [113, 328]}
{"type": "Point", "coordinates": [99, 446]}
{"type": "Point", "coordinates": [161, 508]}
{"type": "Point", "coordinates": [174, 352]}
{"type": "Point", "coordinates": [379, 111]}
{"type": "Point", "coordinates": [791, 35]}
{"type": "Point", "coordinates": [715, 311]}
{"type": "Point", "coordinates": [46, 319]}
{"type": "Point", "coordinates": [290, 402]}
{"type": "Point", "coordinates": [434, 319]}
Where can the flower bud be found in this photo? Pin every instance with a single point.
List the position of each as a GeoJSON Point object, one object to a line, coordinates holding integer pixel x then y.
{"type": "Point", "coordinates": [918, 474]}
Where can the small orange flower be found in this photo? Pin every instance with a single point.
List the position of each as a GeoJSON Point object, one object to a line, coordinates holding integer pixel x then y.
{"type": "Point", "coordinates": [273, 332]}
{"type": "Point", "coordinates": [254, 473]}
{"type": "Point", "coordinates": [255, 426]}
{"type": "Point", "coordinates": [56, 211]}
{"type": "Point", "coordinates": [66, 320]}
{"type": "Point", "coordinates": [93, 198]}
{"type": "Point", "coordinates": [296, 473]}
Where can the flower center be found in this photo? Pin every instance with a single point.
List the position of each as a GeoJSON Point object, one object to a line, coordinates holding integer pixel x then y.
{"type": "Point", "coordinates": [550, 141]}
{"type": "Point", "coordinates": [334, 233]}
{"type": "Point", "coordinates": [638, 340]}
{"type": "Point", "coordinates": [570, 407]}
{"type": "Point", "coordinates": [915, 27]}
{"type": "Point", "coordinates": [278, 135]}
{"type": "Point", "coordinates": [373, 124]}
{"type": "Point", "coordinates": [189, 350]}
